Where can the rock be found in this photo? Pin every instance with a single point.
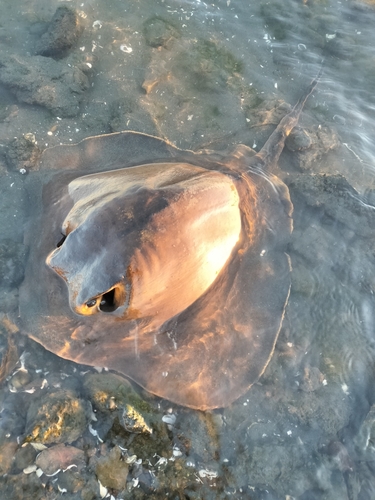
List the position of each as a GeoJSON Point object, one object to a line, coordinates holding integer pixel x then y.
{"type": "Point", "coordinates": [108, 392]}
{"type": "Point", "coordinates": [309, 145]}
{"type": "Point", "coordinates": [8, 348]}
{"type": "Point", "coordinates": [58, 457]}
{"type": "Point", "coordinates": [7, 451]}
{"type": "Point", "coordinates": [63, 32]}
{"type": "Point", "coordinates": [159, 33]}
{"type": "Point", "coordinates": [59, 417]}
{"type": "Point", "coordinates": [39, 80]}
{"type": "Point", "coordinates": [298, 140]}
{"type": "Point", "coordinates": [339, 456]}
{"type": "Point", "coordinates": [133, 421]}
{"type": "Point", "coordinates": [312, 379]}
{"type": "Point", "coordinates": [365, 439]}
{"type": "Point", "coordinates": [334, 195]}
{"type": "Point", "coordinates": [173, 81]}
{"type": "Point", "coordinates": [111, 470]}
{"type": "Point", "coordinates": [23, 152]}
{"type": "Point", "coordinates": [25, 456]}
{"type": "Point", "coordinates": [12, 258]}
{"type": "Point", "coordinates": [71, 482]}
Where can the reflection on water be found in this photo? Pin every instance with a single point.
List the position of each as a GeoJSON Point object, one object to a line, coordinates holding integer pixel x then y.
{"type": "Point", "coordinates": [202, 75]}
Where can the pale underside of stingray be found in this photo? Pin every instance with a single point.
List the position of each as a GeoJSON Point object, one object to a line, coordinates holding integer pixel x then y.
{"type": "Point", "coordinates": [164, 265]}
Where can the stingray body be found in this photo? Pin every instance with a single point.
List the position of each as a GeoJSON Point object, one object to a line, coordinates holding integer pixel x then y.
{"type": "Point", "coordinates": [164, 265]}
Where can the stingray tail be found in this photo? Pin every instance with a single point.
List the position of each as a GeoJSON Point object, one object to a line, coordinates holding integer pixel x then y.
{"type": "Point", "coordinates": [271, 151]}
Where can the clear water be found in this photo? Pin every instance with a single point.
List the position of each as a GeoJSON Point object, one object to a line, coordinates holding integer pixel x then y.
{"type": "Point", "coordinates": [217, 78]}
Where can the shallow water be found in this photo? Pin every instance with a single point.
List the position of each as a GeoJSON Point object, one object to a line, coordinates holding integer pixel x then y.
{"type": "Point", "coordinates": [210, 75]}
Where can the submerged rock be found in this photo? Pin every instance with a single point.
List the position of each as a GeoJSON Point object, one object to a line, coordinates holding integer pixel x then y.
{"type": "Point", "coordinates": [12, 257]}
{"type": "Point", "coordinates": [112, 470]}
{"type": "Point", "coordinates": [63, 32]}
{"type": "Point", "coordinates": [158, 32]}
{"type": "Point", "coordinates": [43, 81]}
{"type": "Point", "coordinates": [60, 417]}
{"type": "Point", "coordinates": [23, 152]}
{"type": "Point", "coordinates": [60, 457]}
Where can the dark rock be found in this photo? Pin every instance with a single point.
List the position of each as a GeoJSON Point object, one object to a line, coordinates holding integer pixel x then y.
{"type": "Point", "coordinates": [111, 470]}
{"type": "Point", "coordinates": [339, 456]}
{"type": "Point", "coordinates": [159, 33]}
{"type": "Point", "coordinates": [298, 140]}
{"type": "Point", "coordinates": [342, 46]}
{"type": "Point", "coordinates": [63, 32]}
{"type": "Point", "coordinates": [12, 258]}
{"type": "Point", "coordinates": [60, 417]}
{"type": "Point", "coordinates": [312, 379]}
{"type": "Point", "coordinates": [25, 456]}
{"type": "Point", "coordinates": [339, 200]}
{"type": "Point", "coordinates": [43, 81]}
{"type": "Point", "coordinates": [58, 457]}
{"type": "Point", "coordinates": [310, 145]}
{"type": "Point", "coordinates": [8, 349]}
{"type": "Point", "coordinates": [7, 451]}
{"type": "Point", "coordinates": [23, 152]}
{"type": "Point", "coordinates": [71, 481]}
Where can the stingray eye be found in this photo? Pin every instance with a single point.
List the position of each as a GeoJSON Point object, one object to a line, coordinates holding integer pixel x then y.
{"type": "Point", "coordinates": [113, 299]}
{"type": "Point", "coordinates": [108, 302]}
{"type": "Point", "coordinates": [91, 303]}
{"type": "Point", "coordinates": [61, 241]}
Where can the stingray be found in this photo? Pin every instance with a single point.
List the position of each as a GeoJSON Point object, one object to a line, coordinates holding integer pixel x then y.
{"type": "Point", "coordinates": [165, 265]}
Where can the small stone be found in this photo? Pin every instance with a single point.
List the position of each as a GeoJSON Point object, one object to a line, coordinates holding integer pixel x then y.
{"type": "Point", "coordinates": [23, 152]}
{"type": "Point", "coordinates": [60, 456]}
{"type": "Point", "coordinates": [312, 379]}
{"type": "Point", "coordinates": [159, 33]}
{"type": "Point", "coordinates": [25, 456]}
{"type": "Point", "coordinates": [7, 452]}
{"type": "Point", "coordinates": [134, 422]}
{"type": "Point", "coordinates": [112, 470]}
{"type": "Point", "coordinates": [56, 85]}
{"type": "Point", "coordinates": [63, 32]}
{"type": "Point", "coordinates": [298, 140]}
{"type": "Point", "coordinates": [12, 258]}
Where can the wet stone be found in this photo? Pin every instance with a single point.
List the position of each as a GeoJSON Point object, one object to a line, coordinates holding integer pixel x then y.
{"type": "Point", "coordinates": [338, 456]}
{"type": "Point", "coordinates": [8, 351]}
{"type": "Point", "coordinates": [191, 67]}
{"type": "Point", "coordinates": [71, 481]}
{"type": "Point", "coordinates": [365, 439]}
{"type": "Point", "coordinates": [43, 81]}
{"type": "Point", "coordinates": [113, 395]}
{"type": "Point", "coordinates": [112, 470]}
{"type": "Point", "coordinates": [298, 140]}
{"type": "Point", "coordinates": [22, 486]}
{"type": "Point", "coordinates": [159, 33]}
{"type": "Point", "coordinates": [310, 145]}
{"type": "Point", "coordinates": [312, 379]}
{"type": "Point", "coordinates": [59, 417]}
{"type": "Point", "coordinates": [23, 152]}
{"type": "Point", "coordinates": [334, 195]}
{"type": "Point", "coordinates": [12, 258]}
{"type": "Point", "coordinates": [60, 456]}
{"type": "Point", "coordinates": [63, 32]}
{"type": "Point", "coordinates": [25, 456]}
{"type": "Point", "coordinates": [108, 392]}
{"type": "Point", "coordinates": [133, 421]}
{"type": "Point", "coordinates": [7, 452]}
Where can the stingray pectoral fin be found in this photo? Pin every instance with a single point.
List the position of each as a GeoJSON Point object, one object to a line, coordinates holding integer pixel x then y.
{"type": "Point", "coordinates": [185, 246]}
